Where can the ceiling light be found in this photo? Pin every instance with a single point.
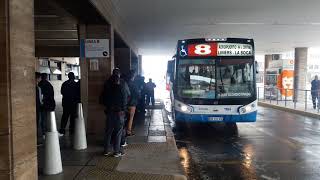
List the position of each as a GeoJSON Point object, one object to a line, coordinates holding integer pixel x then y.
{"type": "Point", "coordinates": [240, 23]}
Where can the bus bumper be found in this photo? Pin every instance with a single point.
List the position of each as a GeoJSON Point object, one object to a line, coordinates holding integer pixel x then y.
{"type": "Point", "coordinates": [250, 117]}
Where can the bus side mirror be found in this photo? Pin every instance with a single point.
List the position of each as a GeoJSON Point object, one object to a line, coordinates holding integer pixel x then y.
{"type": "Point", "coordinates": [171, 77]}
{"type": "Point", "coordinates": [170, 69]}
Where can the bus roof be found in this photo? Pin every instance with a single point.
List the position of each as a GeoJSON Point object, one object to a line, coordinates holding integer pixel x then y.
{"type": "Point", "coordinates": [238, 40]}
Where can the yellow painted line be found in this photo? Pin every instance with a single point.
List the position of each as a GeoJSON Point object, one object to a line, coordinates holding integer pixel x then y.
{"type": "Point", "coordinates": [263, 161]}
{"type": "Point", "coordinates": [226, 162]}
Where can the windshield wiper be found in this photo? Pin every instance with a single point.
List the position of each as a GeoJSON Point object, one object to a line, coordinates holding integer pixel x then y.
{"type": "Point", "coordinates": [221, 79]}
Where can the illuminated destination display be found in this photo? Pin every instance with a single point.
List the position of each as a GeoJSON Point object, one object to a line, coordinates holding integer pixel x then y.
{"type": "Point", "coordinates": [216, 49]}
{"type": "Point", "coordinates": [234, 49]}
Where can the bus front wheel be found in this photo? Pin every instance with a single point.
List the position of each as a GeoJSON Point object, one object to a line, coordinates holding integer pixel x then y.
{"type": "Point", "coordinates": [231, 126]}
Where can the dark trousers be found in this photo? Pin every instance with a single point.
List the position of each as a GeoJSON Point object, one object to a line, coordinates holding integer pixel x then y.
{"type": "Point", "coordinates": [315, 98]}
{"type": "Point", "coordinates": [39, 131]}
{"type": "Point", "coordinates": [68, 112]}
{"type": "Point", "coordinates": [150, 97]}
{"type": "Point", "coordinates": [43, 121]}
{"type": "Point", "coordinates": [141, 106]}
{"type": "Point", "coordinates": [123, 133]}
{"type": "Point", "coordinates": [114, 126]}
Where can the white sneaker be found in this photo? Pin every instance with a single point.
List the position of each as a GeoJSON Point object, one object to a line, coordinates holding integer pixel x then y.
{"type": "Point", "coordinates": [120, 154]}
{"type": "Point", "coordinates": [107, 153]}
{"type": "Point", "coordinates": [125, 144]}
{"type": "Point", "coordinates": [60, 135]}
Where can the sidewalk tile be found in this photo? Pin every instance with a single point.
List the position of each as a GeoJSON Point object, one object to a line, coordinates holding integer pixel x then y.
{"type": "Point", "coordinates": [157, 139]}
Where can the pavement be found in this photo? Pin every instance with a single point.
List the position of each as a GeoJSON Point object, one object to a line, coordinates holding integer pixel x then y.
{"type": "Point", "coordinates": [279, 146]}
{"type": "Point", "coordinates": [299, 108]}
{"type": "Point", "coordinates": [151, 154]}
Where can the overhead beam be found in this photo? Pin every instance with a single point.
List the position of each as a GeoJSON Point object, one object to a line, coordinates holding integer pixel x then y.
{"type": "Point", "coordinates": [83, 10]}
{"type": "Point", "coordinates": [57, 51]}
{"type": "Point", "coordinates": [109, 12]}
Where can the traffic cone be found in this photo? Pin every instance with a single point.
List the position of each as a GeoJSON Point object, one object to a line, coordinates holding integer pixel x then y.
{"type": "Point", "coordinates": [80, 139]}
{"type": "Point", "coordinates": [52, 164]}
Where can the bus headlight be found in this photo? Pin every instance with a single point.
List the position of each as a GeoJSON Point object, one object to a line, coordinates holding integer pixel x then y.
{"type": "Point", "coordinates": [243, 110]}
{"type": "Point", "coordinates": [184, 108]}
{"type": "Point", "coordinates": [248, 108]}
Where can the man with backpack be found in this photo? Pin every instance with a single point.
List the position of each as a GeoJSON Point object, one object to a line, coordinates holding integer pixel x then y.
{"type": "Point", "coordinates": [115, 99]}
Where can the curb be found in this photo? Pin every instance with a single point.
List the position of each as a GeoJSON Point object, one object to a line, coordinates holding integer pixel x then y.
{"type": "Point", "coordinates": [295, 111]}
{"type": "Point", "coordinates": [172, 141]}
{"type": "Point", "coordinates": [179, 177]}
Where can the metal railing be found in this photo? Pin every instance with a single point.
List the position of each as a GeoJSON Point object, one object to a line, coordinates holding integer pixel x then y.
{"type": "Point", "coordinates": [291, 98]}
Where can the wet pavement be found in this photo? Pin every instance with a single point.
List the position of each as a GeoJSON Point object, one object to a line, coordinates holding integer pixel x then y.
{"type": "Point", "coordinates": [279, 145]}
{"type": "Point", "coordinates": [150, 154]}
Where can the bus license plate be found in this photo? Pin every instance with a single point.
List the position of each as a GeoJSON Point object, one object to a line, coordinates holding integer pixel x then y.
{"type": "Point", "coordinates": [215, 118]}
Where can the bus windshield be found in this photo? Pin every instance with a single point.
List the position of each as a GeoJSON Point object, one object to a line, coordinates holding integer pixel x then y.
{"type": "Point", "coordinates": [215, 78]}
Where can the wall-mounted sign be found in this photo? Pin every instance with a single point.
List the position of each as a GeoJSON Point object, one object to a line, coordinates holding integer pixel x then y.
{"type": "Point", "coordinates": [288, 64]}
{"type": "Point", "coordinates": [284, 64]}
{"type": "Point", "coordinates": [94, 48]}
{"type": "Point", "coordinates": [94, 65]}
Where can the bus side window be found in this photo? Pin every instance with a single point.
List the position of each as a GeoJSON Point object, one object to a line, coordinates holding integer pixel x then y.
{"type": "Point", "coordinates": [170, 69]}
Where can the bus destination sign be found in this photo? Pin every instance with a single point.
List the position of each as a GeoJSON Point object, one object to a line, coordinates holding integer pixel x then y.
{"type": "Point", "coordinates": [234, 49]}
{"type": "Point", "coordinates": [216, 49]}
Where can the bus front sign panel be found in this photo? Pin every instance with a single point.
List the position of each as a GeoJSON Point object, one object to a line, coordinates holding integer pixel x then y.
{"type": "Point", "coordinates": [216, 49]}
{"type": "Point", "coordinates": [234, 49]}
{"type": "Point", "coordinates": [205, 49]}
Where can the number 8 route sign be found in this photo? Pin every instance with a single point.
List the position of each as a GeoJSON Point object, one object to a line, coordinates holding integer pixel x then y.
{"type": "Point", "coordinates": [205, 49]}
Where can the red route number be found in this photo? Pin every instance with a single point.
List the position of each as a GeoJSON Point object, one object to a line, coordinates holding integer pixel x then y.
{"type": "Point", "coordinates": [205, 49]}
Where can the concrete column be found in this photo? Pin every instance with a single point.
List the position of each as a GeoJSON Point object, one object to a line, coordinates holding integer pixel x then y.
{"type": "Point", "coordinates": [84, 75]}
{"type": "Point", "coordinates": [18, 152]}
{"type": "Point", "coordinates": [139, 64]}
{"type": "Point", "coordinates": [134, 64]}
{"type": "Point", "coordinates": [122, 59]}
{"type": "Point", "coordinates": [267, 60]}
{"type": "Point", "coordinates": [92, 81]}
{"type": "Point", "coordinates": [300, 71]}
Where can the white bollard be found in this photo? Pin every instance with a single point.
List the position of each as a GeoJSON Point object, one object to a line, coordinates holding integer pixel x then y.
{"type": "Point", "coordinates": [80, 139]}
{"type": "Point", "coordinates": [52, 164]}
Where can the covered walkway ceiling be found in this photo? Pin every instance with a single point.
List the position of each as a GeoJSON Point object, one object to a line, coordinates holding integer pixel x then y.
{"type": "Point", "coordinates": [276, 25]}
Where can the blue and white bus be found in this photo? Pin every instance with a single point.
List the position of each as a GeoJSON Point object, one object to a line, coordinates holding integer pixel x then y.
{"type": "Point", "coordinates": [213, 80]}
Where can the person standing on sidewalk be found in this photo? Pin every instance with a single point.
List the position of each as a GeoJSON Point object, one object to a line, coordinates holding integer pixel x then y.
{"type": "Point", "coordinates": [114, 97]}
{"type": "Point", "coordinates": [142, 94]}
{"type": "Point", "coordinates": [133, 101]}
{"type": "Point", "coordinates": [150, 92]}
{"type": "Point", "coordinates": [315, 88]}
{"type": "Point", "coordinates": [49, 103]}
{"type": "Point", "coordinates": [69, 91]}
{"type": "Point", "coordinates": [38, 105]}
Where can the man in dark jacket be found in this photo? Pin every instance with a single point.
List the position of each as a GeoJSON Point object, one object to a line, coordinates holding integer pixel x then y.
{"type": "Point", "coordinates": [142, 93]}
{"type": "Point", "coordinates": [150, 92]}
{"type": "Point", "coordinates": [315, 89]}
{"type": "Point", "coordinates": [114, 97]}
{"type": "Point", "coordinates": [38, 106]}
{"type": "Point", "coordinates": [69, 91]}
{"type": "Point", "coordinates": [48, 102]}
